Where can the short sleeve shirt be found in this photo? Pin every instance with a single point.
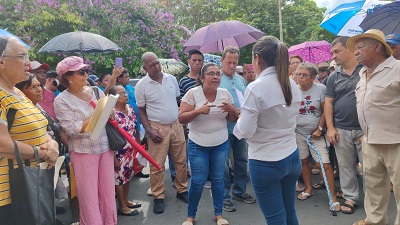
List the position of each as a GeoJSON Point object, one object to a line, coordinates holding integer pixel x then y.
{"type": "Point", "coordinates": [158, 98]}
{"type": "Point", "coordinates": [236, 86]}
{"type": "Point", "coordinates": [341, 87]}
{"type": "Point", "coordinates": [185, 84]}
{"type": "Point", "coordinates": [29, 127]}
{"type": "Point", "coordinates": [208, 129]}
{"type": "Point", "coordinates": [310, 109]}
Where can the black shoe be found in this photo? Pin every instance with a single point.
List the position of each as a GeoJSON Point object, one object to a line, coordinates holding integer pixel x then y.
{"type": "Point", "coordinates": [132, 213]}
{"type": "Point", "coordinates": [142, 175]}
{"type": "Point", "coordinates": [60, 210]}
{"type": "Point", "coordinates": [158, 207]}
{"type": "Point", "coordinates": [183, 196]}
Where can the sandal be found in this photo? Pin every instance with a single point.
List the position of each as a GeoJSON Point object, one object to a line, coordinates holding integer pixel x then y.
{"type": "Point", "coordinates": [222, 222]}
{"type": "Point", "coordinates": [300, 187]}
{"type": "Point", "coordinates": [315, 171]}
{"type": "Point", "coordinates": [187, 223]}
{"type": "Point", "coordinates": [304, 196]}
{"type": "Point", "coordinates": [319, 185]}
{"type": "Point", "coordinates": [351, 207]}
{"type": "Point", "coordinates": [334, 207]}
{"type": "Point", "coordinates": [134, 205]}
{"type": "Point", "coordinates": [132, 213]}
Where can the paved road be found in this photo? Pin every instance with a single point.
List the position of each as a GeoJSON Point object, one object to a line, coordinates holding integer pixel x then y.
{"type": "Point", "coordinates": [310, 212]}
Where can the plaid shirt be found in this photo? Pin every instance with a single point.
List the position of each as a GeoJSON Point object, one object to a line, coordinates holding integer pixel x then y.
{"type": "Point", "coordinates": [71, 111]}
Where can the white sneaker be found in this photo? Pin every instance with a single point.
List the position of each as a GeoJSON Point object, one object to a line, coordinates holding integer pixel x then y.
{"type": "Point", "coordinates": [149, 192]}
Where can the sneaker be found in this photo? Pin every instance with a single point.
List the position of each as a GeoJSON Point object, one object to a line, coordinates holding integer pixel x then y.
{"type": "Point", "coordinates": [246, 198]}
{"type": "Point", "coordinates": [207, 185]}
{"type": "Point", "coordinates": [228, 206]}
{"type": "Point", "coordinates": [158, 207]}
{"type": "Point", "coordinates": [149, 192]}
{"type": "Point", "coordinates": [183, 196]}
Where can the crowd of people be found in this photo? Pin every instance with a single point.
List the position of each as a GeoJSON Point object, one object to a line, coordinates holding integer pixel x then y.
{"type": "Point", "coordinates": [219, 126]}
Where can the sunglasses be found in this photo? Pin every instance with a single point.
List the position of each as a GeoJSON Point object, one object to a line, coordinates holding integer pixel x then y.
{"type": "Point", "coordinates": [82, 71]}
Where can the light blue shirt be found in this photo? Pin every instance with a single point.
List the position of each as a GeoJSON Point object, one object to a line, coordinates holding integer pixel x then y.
{"type": "Point", "coordinates": [132, 101]}
{"type": "Point", "coordinates": [230, 84]}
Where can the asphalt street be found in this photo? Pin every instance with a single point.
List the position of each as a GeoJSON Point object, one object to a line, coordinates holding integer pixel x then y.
{"type": "Point", "coordinates": [311, 211]}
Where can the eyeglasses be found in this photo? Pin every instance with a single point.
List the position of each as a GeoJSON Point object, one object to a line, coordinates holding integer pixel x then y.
{"type": "Point", "coordinates": [122, 93]}
{"type": "Point", "coordinates": [302, 75]}
{"type": "Point", "coordinates": [213, 74]}
{"type": "Point", "coordinates": [24, 57]}
{"type": "Point", "coordinates": [82, 72]}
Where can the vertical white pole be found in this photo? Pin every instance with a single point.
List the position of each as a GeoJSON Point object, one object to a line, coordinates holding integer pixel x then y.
{"type": "Point", "coordinates": [280, 20]}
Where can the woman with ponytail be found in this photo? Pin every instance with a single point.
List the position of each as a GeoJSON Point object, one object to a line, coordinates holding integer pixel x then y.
{"type": "Point", "coordinates": [268, 121]}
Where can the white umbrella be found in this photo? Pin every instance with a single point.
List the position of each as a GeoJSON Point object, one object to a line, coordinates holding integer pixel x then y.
{"type": "Point", "coordinates": [346, 18]}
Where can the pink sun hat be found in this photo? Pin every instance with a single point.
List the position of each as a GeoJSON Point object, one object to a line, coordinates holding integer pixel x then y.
{"type": "Point", "coordinates": [72, 63]}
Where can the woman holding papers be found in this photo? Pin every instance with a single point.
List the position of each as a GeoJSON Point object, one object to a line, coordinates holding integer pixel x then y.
{"type": "Point", "coordinates": [123, 160]}
{"type": "Point", "coordinates": [92, 160]}
{"type": "Point", "coordinates": [206, 108]}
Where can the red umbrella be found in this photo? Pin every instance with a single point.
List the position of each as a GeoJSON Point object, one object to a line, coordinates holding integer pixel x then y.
{"type": "Point", "coordinates": [134, 144]}
{"type": "Point", "coordinates": [132, 141]}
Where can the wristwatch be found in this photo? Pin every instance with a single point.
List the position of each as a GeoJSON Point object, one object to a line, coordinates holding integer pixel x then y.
{"type": "Point", "coordinates": [320, 128]}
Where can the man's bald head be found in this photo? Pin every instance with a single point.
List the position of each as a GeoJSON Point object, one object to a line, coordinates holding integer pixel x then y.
{"type": "Point", "coordinates": [148, 55]}
{"type": "Point", "coordinates": [151, 65]}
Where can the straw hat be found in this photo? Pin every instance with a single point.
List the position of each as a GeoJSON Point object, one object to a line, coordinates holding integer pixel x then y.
{"type": "Point", "coordinates": [374, 34]}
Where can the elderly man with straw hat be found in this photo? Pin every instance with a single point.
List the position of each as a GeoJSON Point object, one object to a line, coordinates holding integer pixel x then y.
{"type": "Point", "coordinates": [378, 107]}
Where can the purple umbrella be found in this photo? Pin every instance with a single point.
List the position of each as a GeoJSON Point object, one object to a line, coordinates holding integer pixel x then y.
{"type": "Point", "coordinates": [216, 36]}
{"type": "Point", "coordinates": [312, 51]}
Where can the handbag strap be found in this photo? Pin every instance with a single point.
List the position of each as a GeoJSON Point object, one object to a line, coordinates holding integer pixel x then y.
{"type": "Point", "coordinates": [17, 156]}
{"type": "Point", "coordinates": [96, 92]}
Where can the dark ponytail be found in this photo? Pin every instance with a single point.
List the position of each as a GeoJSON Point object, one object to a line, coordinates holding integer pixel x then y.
{"type": "Point", "coordinates": [275, 53]}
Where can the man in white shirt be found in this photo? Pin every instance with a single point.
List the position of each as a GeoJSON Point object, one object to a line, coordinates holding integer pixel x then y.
{"type": "Point", "coordinates": [156, 97]}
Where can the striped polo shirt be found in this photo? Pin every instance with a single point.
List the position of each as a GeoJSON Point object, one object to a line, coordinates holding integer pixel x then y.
{"type": "Point", "coordinates": [29, 126]}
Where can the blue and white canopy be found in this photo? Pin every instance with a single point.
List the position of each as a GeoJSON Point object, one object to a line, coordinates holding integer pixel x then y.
{"type": "Point", "coordinates": [345, 19]}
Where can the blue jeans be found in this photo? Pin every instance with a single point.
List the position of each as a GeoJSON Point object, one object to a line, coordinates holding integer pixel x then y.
{"type": "Point", "coordinates": [275, 186]}
{"type": "Point", "coordinates": [204, 162]}
{"type": "Point", "coordinates": [239, 150]}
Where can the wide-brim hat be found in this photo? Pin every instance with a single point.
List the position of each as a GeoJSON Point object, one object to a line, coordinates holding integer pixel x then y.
{"type": "Point", "coordinates": [374, 34]}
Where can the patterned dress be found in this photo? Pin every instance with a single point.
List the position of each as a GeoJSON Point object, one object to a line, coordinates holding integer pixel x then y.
{"type": "Point", "coordinates": [125, 156]}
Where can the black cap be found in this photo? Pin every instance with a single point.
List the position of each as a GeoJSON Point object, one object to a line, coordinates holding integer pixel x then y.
{"type": "Point", "coordinates": [51, 74]}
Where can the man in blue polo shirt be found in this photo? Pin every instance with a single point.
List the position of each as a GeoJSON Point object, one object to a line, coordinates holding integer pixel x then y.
{"type": "Point", "coordinates": [236, 85]}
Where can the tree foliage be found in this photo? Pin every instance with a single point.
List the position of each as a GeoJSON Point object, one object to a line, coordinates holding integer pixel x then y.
{"type": "Point", "coordinates": [161, 26]}
{"type": "Point", "coordinates": [136, 26]}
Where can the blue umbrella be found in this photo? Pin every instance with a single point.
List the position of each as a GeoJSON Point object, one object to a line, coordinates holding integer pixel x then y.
{"type": "Point", "coordinates": [5, 33]}
{"type": "Point", "coordinates": [345, 19]}
{"type": "Point", "coordinates": [385, 18]}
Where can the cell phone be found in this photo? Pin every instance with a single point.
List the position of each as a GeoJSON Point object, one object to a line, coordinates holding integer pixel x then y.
{"type": "Point", "coordinates": [118, 62]}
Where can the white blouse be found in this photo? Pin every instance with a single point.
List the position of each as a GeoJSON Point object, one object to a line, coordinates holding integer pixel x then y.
{"type": "Point", "coordinates": [266, 121]}
{"type": "Point", "coordinates": [208, 129]}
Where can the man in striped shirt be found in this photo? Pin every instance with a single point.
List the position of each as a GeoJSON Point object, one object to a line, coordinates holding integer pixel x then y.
{"type": "Point", "coordinates": [195, 62]}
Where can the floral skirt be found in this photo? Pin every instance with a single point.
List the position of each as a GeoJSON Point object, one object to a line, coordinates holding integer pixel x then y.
{"type": "Point", "coordinates": [125, 160]}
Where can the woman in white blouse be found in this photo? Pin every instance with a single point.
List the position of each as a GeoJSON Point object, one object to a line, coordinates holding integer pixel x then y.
{"type": "Point", "coordinates": [268, 121]}
{"type": "Point", "coordinates": [205, 108]}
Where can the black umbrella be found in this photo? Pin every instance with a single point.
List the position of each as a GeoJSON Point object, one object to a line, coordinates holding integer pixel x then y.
{"type": "Point", "coordinates": [385, 18]}
{"type": "Point", "coordinates": [79, 41]}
